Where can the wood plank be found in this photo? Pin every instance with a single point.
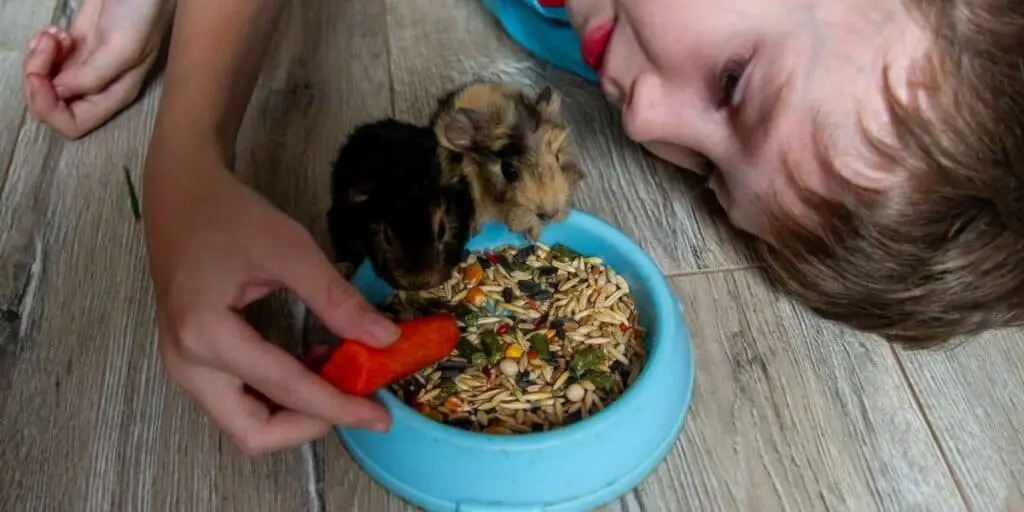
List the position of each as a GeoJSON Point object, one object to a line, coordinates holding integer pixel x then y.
{"type": "Point", "coordinates": [438, 44]}
{"type": "Point", "coordinates": [82, 383]}
{"type": "Point", "coordinates": [792, 413]}
{"type": "Point", "coordinates": [22, 194]}
{"type": "Point", "coordinates": [89, 420]}
{"type": "Point", "coordinates": [19, 19]}
{"type": "Point", "coordinates": [973, 396]}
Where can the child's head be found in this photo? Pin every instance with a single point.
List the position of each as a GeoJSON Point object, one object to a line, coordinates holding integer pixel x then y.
{"type": "Point", "coordinates": [874, 147]}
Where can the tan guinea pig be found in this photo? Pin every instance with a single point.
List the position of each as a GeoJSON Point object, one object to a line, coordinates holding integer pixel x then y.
{"type": "Point", "coordinates": [514, 151]}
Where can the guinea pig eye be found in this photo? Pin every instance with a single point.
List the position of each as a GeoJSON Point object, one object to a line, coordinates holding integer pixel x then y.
{"type": "Point", "coordinates": [509, 171]}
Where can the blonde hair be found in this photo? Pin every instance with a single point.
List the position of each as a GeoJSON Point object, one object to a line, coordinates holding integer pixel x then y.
{"type": "Point", "coordinates": [941, 254]}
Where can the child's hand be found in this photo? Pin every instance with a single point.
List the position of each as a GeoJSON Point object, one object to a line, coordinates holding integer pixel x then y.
{"type": "Point", "coordinates": [76, 80]}
{"type": "Point", "coordinates": [214, 246]}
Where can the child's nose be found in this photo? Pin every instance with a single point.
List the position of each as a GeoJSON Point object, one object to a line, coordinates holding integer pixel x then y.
{"type": "Point", "coordinates": [668, 114]}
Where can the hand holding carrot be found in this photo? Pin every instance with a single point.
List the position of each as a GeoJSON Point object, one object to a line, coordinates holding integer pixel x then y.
{"type": "Point", "coordinates": [215, 246]}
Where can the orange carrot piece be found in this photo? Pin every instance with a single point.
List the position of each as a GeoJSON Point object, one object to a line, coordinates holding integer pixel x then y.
{"type": "Point", "coordinates": [358, 369]}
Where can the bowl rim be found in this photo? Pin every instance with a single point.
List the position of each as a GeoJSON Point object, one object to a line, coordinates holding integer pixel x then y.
{"type": "Point", "coordinates": [667, 322]}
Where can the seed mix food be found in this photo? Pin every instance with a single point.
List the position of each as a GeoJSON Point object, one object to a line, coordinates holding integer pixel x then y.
{"type": "Point", "coordinates": [550, 336]}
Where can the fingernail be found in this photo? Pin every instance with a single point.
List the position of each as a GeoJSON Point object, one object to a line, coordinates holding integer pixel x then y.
{"type": "Point", "coordinates": [379, 426]}
{"type": "Point", "coordinates": [34, 43]}
{"type": "Point", "coordinates": [52, 29]}
{"type": "Point", "coordinates": [381, 328]}
{"type": "Point", "coordinates": [60, 90]}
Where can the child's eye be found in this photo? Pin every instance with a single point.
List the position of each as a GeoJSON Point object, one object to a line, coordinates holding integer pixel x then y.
{"type": "Point", "coordinates": [729, 82]}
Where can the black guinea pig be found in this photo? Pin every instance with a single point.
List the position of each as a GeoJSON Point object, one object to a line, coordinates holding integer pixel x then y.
{"type": "Point", "coordinates": [388, 205]}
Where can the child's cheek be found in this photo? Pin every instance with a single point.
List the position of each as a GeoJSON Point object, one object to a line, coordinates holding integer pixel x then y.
{"type": "Point", "coordinates": [679, 156]}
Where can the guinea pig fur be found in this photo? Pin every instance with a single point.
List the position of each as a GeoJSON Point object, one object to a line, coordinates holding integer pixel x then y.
{"type": "Point", "coordinates": [390, 206]}
{"type": "Point", "coordinates": [513, 148]}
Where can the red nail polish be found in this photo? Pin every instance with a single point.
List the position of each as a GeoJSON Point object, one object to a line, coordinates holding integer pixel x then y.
{"type": "Point", "coordinates": [552, 3]}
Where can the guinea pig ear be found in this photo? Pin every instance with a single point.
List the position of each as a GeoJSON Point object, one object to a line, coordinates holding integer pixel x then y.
{"type": "Point", "coordinates": [550, 102]}
{"type": "Point", "coordinates": [573, 172]}
{"type": "Point", "coordinates": [464, 128]}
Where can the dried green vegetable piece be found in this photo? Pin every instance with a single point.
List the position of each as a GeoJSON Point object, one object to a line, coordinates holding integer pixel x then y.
{"type": "Point", "coordinates": [466, 314]}
{"type": "Point", "coordinates": [448, 388]}
{"type": "Point", "coordinates": [466, 348]}
{"type": "Point", "coordinates": [491, 345]}
{"type": "Point", "coordinates": [563, 252]}
{"type": "Point", "coordinates": [586, 359]}
{"type": "Point", "coordinates": [479, 360]}
{"type": "Point", "coordinates": [541, 345]}
{"type": "Point", "coordinates": [603, 382]}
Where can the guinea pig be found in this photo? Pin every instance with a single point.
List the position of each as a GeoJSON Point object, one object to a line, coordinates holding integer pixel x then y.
{"type": "Point", "coordinates": [513, 149]}
{"type": "Point", "coordinates": [390, 207]}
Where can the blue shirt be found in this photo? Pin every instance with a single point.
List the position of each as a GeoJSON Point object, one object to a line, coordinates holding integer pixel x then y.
{"type": "Point", "coordinates": [543, 31]}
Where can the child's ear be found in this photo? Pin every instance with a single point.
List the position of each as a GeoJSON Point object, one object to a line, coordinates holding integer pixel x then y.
{"type": "Point", "coordinates": [550, 103]}
{"type": "Point", "coordinates": [464, 128]}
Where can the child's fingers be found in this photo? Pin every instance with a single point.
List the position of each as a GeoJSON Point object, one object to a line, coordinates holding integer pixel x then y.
{"type": "Point", "coordinates": [44, 105]}
{"type": "Point", "coordinates": [250, 424]}
{"type": "Point", "coordinates": [93, 73]}
{"type": "Point", "coordinates": [82, 115]}
{"type": "Point", "coordinates": [41, 55]}
{"type": "Point", "coordinates": [91, 111]}
{"type": "Point", "coordinates": [67, 45]}
{"type": "Point", "coordinates": [234, 347]}
{"type": "Point", "coordinates": [40, 97]}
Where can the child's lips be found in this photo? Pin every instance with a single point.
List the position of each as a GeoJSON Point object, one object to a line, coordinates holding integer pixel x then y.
{"type": "Point", "coordinates": [594, 43]}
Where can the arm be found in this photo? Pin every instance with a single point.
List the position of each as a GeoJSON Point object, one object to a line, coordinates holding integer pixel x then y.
{"type": "Point", "coordinates": [216, 53]}
{"type": "Point", "coordinates": [214, 246]}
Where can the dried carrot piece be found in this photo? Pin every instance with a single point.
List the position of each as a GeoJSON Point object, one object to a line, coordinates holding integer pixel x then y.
{"type": "Point", "coordinates": [359, 369]}
{"type": "Point", "coordinates": [472, 274]}
{"type": "Point", "coordinates": [476, 296]}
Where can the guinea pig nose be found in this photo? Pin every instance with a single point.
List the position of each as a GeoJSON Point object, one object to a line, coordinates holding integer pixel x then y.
{"type": "Point", "coordinates": [546, 215]}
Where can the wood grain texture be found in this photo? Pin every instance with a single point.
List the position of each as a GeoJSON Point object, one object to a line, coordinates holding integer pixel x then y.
{"type": "Point", "coordinates": [792, 413]}
{"type": "Point", "coordinates": [22, 194]}
{"type": "Point", "coordinates": [973, 396]}
{"type": "Point", "coordinates": [439, 44]}
{"type": "Point", "coordinates": [19, 19]}
{"type": "Point", "coordinates": [89, 420]}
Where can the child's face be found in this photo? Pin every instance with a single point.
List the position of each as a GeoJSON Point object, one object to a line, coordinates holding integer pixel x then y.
{"type": "Point", "coordinates": [735, 83]}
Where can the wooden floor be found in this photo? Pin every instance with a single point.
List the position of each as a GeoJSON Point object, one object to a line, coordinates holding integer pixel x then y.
{"type": "Point", "coordinates": [788, 412]}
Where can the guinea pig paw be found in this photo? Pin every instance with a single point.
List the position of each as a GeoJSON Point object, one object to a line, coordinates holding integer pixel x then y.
{"type": "Point", "coordinates": [520, 220]}
{"type": "Point", "coordinates": [533, 232]}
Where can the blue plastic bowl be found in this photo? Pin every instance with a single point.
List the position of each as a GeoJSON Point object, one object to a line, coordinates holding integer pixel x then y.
{"type": "Point", "coordinates": [577, 467]}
